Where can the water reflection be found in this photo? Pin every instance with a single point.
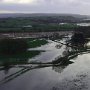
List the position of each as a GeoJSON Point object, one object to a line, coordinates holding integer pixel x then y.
{"type": "Point", "coordinates": [78, 83]}
{"type": "Point", "coordinates": [71, 51]}
{"type": "Point", "coordinates": [60, 68]}
{"type": "Point", "coordinates": [8, 63]}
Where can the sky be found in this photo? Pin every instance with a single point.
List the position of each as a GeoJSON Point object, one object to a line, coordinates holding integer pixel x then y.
{"type": "Point", "coordinates": [45, 6]}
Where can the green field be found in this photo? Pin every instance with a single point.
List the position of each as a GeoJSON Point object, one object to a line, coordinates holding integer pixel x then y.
{"type": "Point", "coordinates": [34, 24]}
{"type": "Point", "coordinates": [36, 43]}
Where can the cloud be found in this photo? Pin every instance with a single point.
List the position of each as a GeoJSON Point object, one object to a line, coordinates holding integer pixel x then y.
{"type": "Point", "coordinates": [45, 1]}
{"type": "Point", "coordinates": [46, 6]}
{"type": "Point", "coordinates": [18, 1]}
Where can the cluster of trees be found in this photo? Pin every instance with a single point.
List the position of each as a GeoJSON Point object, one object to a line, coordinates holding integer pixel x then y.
{"type": "Point", "coordinates": [85, 30]}
{"type": "Point", "coordinates": [78, 38]}
{"type": "Point", "coordinates": [80, 35]}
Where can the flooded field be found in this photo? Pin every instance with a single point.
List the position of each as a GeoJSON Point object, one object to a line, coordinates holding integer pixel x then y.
{"type": "Point", "coordinates": [39, 72]}
{"type": "Point", "coordinates": [83, 24]}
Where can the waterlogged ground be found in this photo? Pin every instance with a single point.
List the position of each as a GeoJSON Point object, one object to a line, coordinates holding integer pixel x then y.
{"type": "Point", "coordinates": [75, 76]}
{"type": "Point", "coordinates": [51, 51]}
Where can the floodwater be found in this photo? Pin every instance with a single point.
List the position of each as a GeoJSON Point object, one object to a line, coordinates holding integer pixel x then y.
{"type": "Point", "coordinates": [83, 24]}
{"type": "Point", "coordinates": [75, 76]}
{"type": "Point", "coordinates": [51, 52]}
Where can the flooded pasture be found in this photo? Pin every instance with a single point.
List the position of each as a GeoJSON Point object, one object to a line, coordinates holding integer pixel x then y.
{"type": "Point", "coordinates": [37, 73]}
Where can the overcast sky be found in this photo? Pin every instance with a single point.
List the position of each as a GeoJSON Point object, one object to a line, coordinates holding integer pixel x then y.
{"type": "Point", "coordinates": [45, 6]}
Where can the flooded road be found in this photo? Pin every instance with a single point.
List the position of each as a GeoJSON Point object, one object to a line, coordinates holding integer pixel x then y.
{"type": "Point", "coordinates": [75, 76]}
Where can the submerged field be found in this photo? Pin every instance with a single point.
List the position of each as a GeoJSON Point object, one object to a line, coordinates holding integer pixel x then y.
{"type": "Point", "coordinates": [42, 68]}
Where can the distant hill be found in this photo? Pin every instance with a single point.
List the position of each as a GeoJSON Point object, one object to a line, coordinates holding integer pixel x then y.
{"type": "Point", "coordinates": [13, 15]}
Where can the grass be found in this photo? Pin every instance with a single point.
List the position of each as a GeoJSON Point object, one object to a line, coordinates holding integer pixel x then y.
{"type": "Point", "coordinates": [13, 46]}
{"type": "Point", "coordinates": [36, 43]}
{"type": "Point", "coordinates": [27, 54]}
{"type": "Point", "coordinates": [21, 58]}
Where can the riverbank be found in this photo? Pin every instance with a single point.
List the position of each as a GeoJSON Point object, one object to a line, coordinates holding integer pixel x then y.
{"type": "Point", "coordinates": [33, 34]}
